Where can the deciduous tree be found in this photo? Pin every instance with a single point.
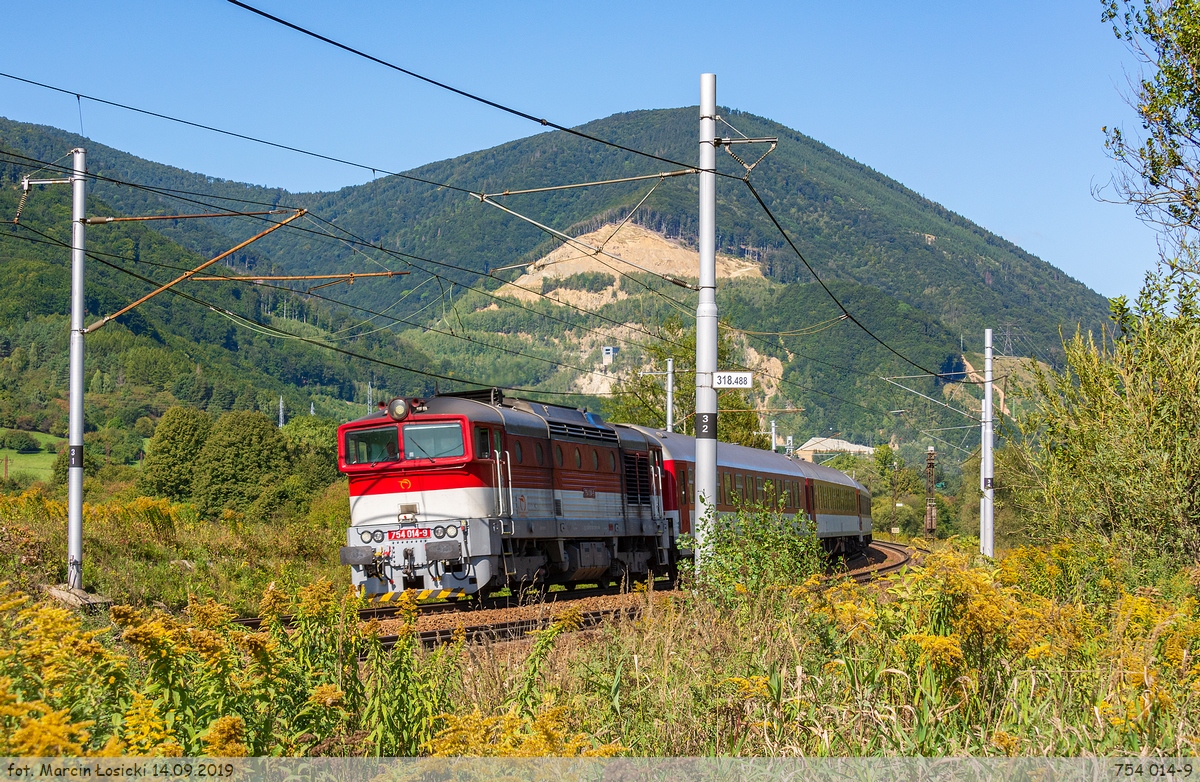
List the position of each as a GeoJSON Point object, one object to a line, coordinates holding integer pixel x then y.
{"type": "Point", "coordinates": [171, 462]}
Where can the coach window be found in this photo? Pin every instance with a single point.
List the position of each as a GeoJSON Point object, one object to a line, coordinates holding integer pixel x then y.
{"type": "Point", "coordinates": [539, 454]}
{"type": "Point", "coordinates": [558, 455]}
{"type": "Point", "coordinates": [758, 490]}
{"type": "Point", "coordinates": [739, 487]}
{"type": "Point", "coordinates": [683, 495]}
{"type": "Point", "coordinates": [517, 451]}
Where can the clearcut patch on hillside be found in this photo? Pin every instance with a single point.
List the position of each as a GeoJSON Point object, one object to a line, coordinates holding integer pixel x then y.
{"type": "Point", "coordinates": [640, 246]}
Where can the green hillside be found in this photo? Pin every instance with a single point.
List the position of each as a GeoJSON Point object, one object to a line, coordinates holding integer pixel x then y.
{"type": "Point", "coordinates": [168, 351]}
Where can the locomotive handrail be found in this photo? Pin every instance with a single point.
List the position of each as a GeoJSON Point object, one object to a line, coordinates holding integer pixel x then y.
{"type": "Point", "coordinates": [499, 486]}
{"type": "Point", "coordinates": [656, 508]}
{"type": "Point", "coordinates": [508, 467]}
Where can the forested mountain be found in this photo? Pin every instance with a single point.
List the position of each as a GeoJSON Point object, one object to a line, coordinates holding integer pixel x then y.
{"type": "Point", "coordinates": [915, 273]}
{"type": "Point", "coordinates": [851, 222]}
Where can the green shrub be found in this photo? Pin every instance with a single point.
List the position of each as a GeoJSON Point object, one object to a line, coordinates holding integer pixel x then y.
{"type": "Point", "coordinates": [1110, 450]}
{"type": "Point", "coordinates": [243, 454]}
{"type": "Point", "coordinates": [21, 442]}
{"type": "Point", "coordinates": [756, 548]}
{"type": "Point", "coordinates": [171, 463]}
{"type": "Point", "coordinates": [313, 442]}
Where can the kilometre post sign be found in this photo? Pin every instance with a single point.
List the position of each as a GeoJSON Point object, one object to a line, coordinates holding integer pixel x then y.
{"type": "Point", "coordinates": [733, 379]}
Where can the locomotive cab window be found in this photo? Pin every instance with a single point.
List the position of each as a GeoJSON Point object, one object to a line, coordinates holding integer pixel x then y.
{"type": "Point", "coordinates": [433, 441]}
{"type": "Point", "coordinates": [368, 446]}
{"type": "Point", "coordinates": [483, 448]}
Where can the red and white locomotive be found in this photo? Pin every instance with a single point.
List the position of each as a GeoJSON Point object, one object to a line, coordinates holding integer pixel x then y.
{"type": "Point", "coordinates": [467, 493]}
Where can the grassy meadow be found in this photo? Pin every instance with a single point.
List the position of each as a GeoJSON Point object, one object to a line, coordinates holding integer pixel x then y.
{"type": "Point", "coordinates": [1043, 652]}
{"type": "Point", "coordinates": [37, 466]}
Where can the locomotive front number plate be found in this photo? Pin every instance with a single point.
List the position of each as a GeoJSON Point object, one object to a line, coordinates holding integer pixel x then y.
{"type": "Point", "coordinates": [408, 533]}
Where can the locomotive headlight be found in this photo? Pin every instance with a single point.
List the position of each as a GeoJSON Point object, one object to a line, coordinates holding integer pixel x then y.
{"type": "Point", "coordinates": [377, 536]}
{"type": "Point", "coordinates": [365, 536]}
{"type": "Point", "coordinates": [439, 532]}
{"type": "Point", "coordinates": [398, 409]}
{"type": "Point", "coordinates": [452, 531]}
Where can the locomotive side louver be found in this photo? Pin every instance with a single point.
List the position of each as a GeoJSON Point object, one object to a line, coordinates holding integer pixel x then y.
{"type": "Point", "coordinates": [581, 432]}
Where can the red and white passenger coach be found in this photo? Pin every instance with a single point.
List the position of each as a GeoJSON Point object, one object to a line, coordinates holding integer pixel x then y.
{"type": "Point", "coordinates": [470, 492]}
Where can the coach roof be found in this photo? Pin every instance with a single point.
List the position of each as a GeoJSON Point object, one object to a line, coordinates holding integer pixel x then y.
{"type": "Point", "coordinates": [682, 447]}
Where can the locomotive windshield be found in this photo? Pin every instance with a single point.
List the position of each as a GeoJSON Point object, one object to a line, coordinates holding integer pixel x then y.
{"type": "Point", "coordinates": [368, 446]}
{"type": "Point", "coordinates": [432, 441]}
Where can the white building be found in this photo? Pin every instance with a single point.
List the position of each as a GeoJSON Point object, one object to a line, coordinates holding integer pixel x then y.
{"type": "Point", "coordinates": [823, 445]}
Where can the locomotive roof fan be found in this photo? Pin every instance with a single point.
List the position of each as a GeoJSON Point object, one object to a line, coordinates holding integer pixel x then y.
{"type": "Point", "coordinates": [398, 409]}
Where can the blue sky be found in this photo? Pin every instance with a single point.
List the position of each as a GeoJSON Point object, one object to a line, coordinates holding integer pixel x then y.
{"type": "Point", "coordinates": [993, 110]}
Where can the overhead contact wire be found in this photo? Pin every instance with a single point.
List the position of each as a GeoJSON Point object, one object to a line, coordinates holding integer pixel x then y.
{"type": "Point", "coordinates": [317, 343]}
{"type": "Point", "coordinates": [471, 96]}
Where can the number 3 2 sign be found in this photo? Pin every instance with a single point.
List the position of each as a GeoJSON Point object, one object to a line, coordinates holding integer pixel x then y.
{"type": "Point", "coordinates": [733, 379]}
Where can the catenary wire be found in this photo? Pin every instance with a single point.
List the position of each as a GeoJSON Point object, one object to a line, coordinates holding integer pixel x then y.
{"type": "Point", "coordinates": [258, 327]}
{"type": "Point", "coordinates": [406, 256]}
{"type": "Point", "coordinates": [515, 112]}
{"type": "Point", "coordinates": [771, 215]}
{"type": "Point", "coordinates": [374, 169]}
{"type": "Point", "coordinates": [373, 313]}
{"type": "Point", "coordinates": [317, 343]}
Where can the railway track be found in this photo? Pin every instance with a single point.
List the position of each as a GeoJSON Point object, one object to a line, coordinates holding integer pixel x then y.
{"type": "Point", "coordinates": [894, 558]}
{"type": "Point", "coordinates": [508, 631]}
{"type": "Point", "coordinates": [885, 558]}
{"type": "Point", "coordinates": [464, 606]}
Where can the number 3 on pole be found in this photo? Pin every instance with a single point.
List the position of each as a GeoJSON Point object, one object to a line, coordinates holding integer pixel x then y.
{"type": "Point", "coordinates": [733, 379]}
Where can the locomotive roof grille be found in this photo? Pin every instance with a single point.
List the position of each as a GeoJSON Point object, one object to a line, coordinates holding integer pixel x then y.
{"type": "Point", "coordinates": [581, 432]}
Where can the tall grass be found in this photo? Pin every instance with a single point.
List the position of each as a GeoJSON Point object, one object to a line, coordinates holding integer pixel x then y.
{"type": "Point", "coordinates": [955, 657]}
{"type": "Point", "coordinates": [1057, 651]}
{"type": "Point", "coordinates": [144, 550]}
